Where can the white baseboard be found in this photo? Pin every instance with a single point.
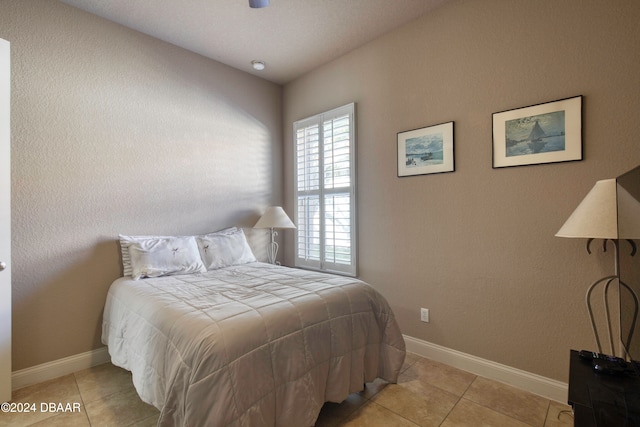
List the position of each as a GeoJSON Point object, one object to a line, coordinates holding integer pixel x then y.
{"type": "Point", "coordinates": [542, 386]}
{"type": "Point", "coordinates": [57, 368]}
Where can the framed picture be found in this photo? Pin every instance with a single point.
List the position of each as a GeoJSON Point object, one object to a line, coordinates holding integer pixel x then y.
{"type": "Point", "coordinates": [426, 150]}
{"type": "Point", "coordinates": [543, 133]}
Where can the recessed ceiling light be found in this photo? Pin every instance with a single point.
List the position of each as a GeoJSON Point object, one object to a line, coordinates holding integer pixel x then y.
{"type": "Point", "coordinates": [258, 65]}
{"type": "Point", "coordinates": [258, 3]}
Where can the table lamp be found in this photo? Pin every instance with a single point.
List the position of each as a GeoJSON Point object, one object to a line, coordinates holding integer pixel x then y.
{"type": "Point", "coordinates": [600, 216]}
{"type": "Point", "coordinates": [274, 217]}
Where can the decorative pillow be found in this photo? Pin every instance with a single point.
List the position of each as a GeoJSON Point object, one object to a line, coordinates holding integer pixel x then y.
{"type": "Point", "coordinates": [225, 248]}
{"type": "Point", "coordinates": [125, 241]}
{"type": "Point", "coordinates": [161, 256]}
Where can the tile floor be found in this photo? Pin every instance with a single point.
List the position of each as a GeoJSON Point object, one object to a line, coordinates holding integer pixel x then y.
{"type": "Point", "coordinates": [427, 394]}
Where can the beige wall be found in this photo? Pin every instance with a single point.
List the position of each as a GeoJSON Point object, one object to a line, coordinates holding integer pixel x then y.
{"type": "Point", "coordinates": [477, 246]}
{"type": "Point", "coordinates": [116, 132]}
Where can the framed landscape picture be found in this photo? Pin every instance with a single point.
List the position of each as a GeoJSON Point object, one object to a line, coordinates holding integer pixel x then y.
{"type": "Point", "coordinates": [543, 133]}
{"type": "Point", "coordinates": [426, 150]}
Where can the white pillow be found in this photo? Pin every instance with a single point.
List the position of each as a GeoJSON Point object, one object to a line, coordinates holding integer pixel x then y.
{"type": "Point", "coordinates": [125, 241]}
{"type": "Point", "coordinates": [161, 256]}
{"type": "Point", "coordinates": [224, 248]}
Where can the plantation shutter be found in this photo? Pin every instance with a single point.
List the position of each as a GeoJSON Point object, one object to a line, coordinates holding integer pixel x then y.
{"type": "Point", "coordinates": [325, 191]}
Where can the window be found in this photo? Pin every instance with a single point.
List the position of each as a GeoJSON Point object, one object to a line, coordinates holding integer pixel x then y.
{"type": "Point", "coordinates": [325, 191]}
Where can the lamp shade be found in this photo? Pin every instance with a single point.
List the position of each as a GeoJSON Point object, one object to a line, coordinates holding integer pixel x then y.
{"type": "Point", "coordinates": [598, 214]}
{"type": "Point", "coordinates": [274, 217]}
{"type": "Point", "coordinates": [595, 217]}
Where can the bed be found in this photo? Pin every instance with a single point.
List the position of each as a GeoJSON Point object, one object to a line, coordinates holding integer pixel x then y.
{"type": "Point", "coordinates": [248, 344]}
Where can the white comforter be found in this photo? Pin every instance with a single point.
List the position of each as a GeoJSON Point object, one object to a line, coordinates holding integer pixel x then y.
{"type": "Point", "coordinates": [250, 345]}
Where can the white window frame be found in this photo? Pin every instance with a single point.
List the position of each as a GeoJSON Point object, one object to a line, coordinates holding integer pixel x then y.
{"type": "Point", "coordinates": [321, 263]}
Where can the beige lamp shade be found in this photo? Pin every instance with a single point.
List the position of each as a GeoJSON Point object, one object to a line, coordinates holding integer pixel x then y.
{"type": "Point", "coordinates": [274, 217]}
{"type": "Point", "coordinates": [598, 215]}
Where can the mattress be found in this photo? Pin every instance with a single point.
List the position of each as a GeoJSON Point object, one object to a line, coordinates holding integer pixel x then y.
{"type": "Point", "coordinates": [250, 345]}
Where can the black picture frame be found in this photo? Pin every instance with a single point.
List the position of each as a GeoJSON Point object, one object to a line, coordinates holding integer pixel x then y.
{"type": "Point", "coordinates": [550, 132]}
{"type": "Point", "coordinates": [426, 150]}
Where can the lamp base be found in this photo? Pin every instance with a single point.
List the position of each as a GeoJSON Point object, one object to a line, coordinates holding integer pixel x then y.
{"type": "Point", "coordinates": [272, 249]}
{"type": "Point", "coordinates": [607, 287]}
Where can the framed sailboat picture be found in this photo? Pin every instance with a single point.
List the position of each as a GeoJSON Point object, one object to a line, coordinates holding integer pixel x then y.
{"type": "Point", "coordinates": [426, 150]}
{"type": "Point", "coordinates": [543, 133]}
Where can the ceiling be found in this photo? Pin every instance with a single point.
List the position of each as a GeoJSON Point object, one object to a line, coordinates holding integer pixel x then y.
{"type": "Point", "coordinates": [291, 36]}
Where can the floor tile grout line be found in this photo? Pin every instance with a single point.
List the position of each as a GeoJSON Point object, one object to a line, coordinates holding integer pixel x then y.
{"type": "Point", "coordinates": [493, 409]}
{"type": "Point", "coordinates": [451, 410]}
{"type": "Point", "coordinates": [497, 410]}
{"type": "Point", "coordinates": [103, 398]}
{"type": "Point", "coordinates": [113, 395]}
{"type": "Point", "coordinates": [84, 404]}
{"type": "Point", "coordinates": [546, 416]}
{"type": "Point", "coordinates": [395, 413]}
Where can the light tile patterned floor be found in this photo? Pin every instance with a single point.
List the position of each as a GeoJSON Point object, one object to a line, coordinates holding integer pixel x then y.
{"type": "Point", "coordinates": [427, 394]}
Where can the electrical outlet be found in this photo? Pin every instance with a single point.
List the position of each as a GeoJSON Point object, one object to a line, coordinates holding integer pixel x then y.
{"type": "Point", "coordinates": [424, 314]}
